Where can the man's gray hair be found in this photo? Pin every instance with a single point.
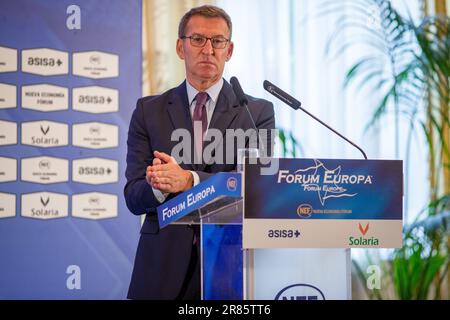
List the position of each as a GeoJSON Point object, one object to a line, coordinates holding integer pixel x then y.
{"type": "Point", "coordinates": [206, 11]}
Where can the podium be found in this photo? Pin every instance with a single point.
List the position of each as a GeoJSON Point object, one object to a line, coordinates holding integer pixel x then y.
{"type": "Point", "coordinates": [287, 236]}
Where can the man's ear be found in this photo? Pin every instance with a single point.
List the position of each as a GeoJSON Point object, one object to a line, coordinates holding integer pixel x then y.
{"type": "Point", "coordinates": [230, 51]}
{"type": "Point", "coordinates": [180, 49]}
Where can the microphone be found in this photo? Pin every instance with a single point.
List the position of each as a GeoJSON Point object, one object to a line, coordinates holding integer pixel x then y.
{"type": "Point", "coordinates": [242, 98]}
{"type": "Point", "coordinates": [295, 104]}
{"type": "Point", "coordinates": [243, 101]}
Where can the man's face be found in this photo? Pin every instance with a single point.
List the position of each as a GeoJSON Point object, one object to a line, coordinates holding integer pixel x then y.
{"type": "Point", "coordinates": [204, 64]}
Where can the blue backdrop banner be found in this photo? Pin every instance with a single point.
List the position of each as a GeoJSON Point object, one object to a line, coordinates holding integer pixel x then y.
{"type": "Point", "coordinates": [70, 75]}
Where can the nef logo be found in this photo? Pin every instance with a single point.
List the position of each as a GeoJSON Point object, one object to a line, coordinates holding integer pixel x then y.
{"type": "Point", "coordinates": [232, 184]}
{"type": "Point", "coordinates": [44, 165]}
{"type": "Point", "coordinates": [94, 130]}
{"type": "Point", "coordinates": [94, 201]}
{"type": "Point", "coordinates": [95, 59]}
{"type": "Point", "coordinates": [300, 291]}
{"type": "Point", "coordinates": [304, 210]}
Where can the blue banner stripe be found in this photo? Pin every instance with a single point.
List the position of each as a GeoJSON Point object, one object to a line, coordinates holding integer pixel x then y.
{"type": "Point", "coordinates": [325, 189]}
{"type": "Point", "coordinates": [226, 184]}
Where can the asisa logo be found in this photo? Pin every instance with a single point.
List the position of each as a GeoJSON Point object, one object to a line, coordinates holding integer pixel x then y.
{"type": "Point", "coordinates": [300, 291]}
{"type": "Point", "coordinates": [362, 240]}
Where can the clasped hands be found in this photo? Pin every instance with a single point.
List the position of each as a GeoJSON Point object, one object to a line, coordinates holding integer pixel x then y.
{"type": "Point", "coordinates": [167, 176]}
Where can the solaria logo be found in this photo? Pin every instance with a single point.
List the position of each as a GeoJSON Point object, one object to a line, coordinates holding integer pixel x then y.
{"type": "Point", "coordinates": [362, 240]}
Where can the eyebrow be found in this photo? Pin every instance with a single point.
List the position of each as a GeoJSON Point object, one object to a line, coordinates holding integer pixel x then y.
{"type": "Point", "coordinates": [216, 35]}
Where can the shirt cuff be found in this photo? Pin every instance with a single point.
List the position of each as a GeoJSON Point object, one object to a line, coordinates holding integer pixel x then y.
{"type": "Point", "coordinates": [160, 196]}
{"type": "Point", "coordinates": [196, 178]}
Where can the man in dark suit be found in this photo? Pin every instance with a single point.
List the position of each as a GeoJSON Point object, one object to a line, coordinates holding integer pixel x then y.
{"type": "Point", "coordinates": [167, 260]}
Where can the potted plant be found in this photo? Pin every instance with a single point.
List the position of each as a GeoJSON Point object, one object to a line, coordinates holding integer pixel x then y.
{"type": "Point", "coordinates": [410, 67]}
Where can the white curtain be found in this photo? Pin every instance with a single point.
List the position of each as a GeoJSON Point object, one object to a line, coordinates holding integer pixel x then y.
{"type": "Point", "coordinates": [284, 41]}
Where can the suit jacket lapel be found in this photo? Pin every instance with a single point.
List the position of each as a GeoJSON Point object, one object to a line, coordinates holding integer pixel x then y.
{"type": "Point", "coordinates": [224, 113]}
{"type": "Point", "coordinates": [178, 109]}
{"type": "Point", "coordinates": [225, 110]}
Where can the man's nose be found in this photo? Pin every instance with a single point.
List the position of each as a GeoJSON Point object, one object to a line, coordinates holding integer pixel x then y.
{"type": "Point", "coordinates": [208, 48]}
